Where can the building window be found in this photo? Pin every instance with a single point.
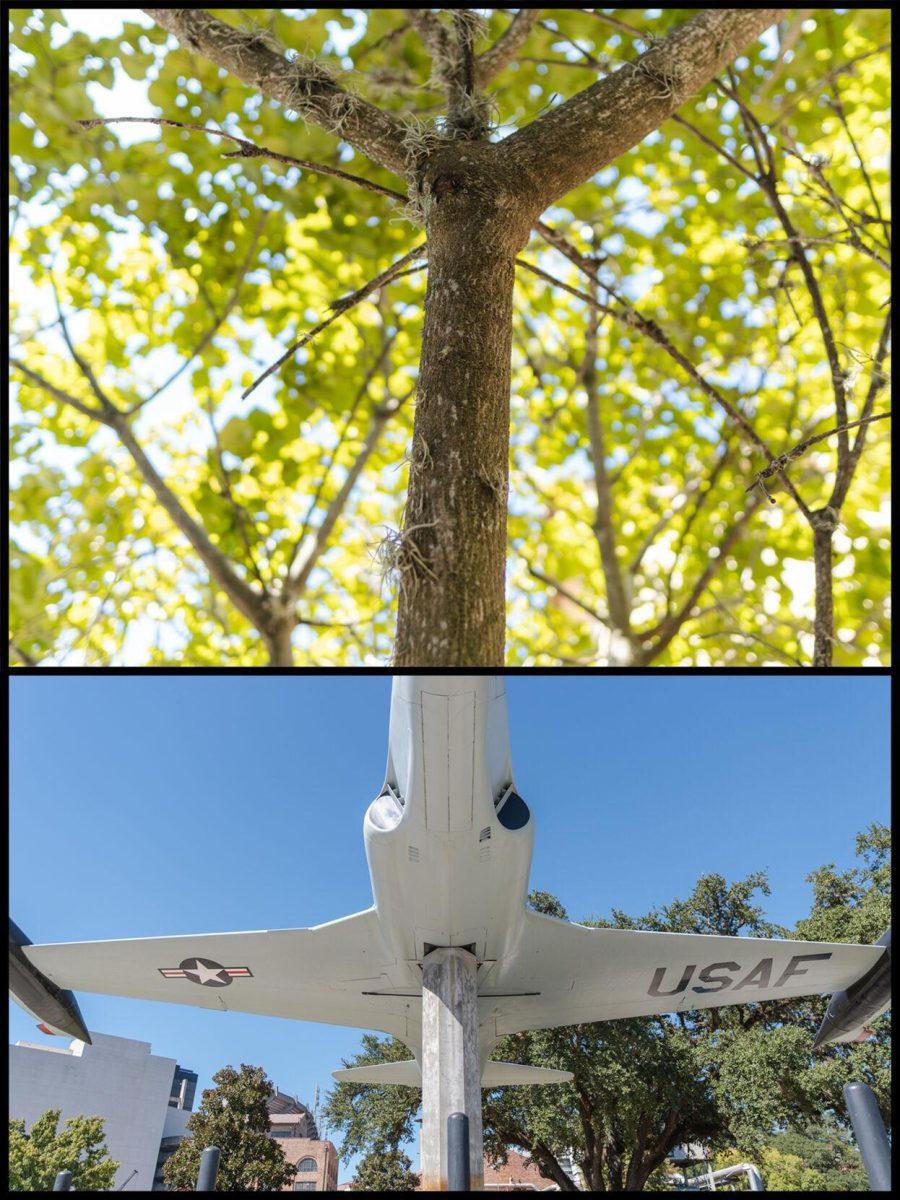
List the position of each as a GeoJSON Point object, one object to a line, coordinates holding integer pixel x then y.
{"type": "Point", "coordinates": [304, 1187]}
{"type": "Point", "coordinates": [307, 1164]}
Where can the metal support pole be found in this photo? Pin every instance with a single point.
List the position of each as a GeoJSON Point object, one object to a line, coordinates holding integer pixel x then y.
{"type": "Point", "coordinates": [209, 1169]}
{"type": "Point", "coordinates": [870, 1135]}
{"type": "Point", "coordinates": [451, 1064]}
{"type": "Point", "coordinates": [458, 1173]}
{"type": "Point", "coordinates": [63, 1182]}
{"type": "Point", "coordinates": [755, 1179]}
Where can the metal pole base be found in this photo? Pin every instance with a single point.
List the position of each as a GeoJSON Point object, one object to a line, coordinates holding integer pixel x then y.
{"type": "Point", "coordinates": [451, 1065]}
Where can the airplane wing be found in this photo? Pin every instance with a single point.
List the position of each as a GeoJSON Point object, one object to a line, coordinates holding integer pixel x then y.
{"type": "Point", "coordinates": [319, 974]}
{"type": "Point", "coordinates": [409, 1074]}
{"type": "Point", "coordinates": [577, 974]}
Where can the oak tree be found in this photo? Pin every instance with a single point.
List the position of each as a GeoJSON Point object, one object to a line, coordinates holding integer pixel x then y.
{"type": "Point", "coordinates": [732, 1077]}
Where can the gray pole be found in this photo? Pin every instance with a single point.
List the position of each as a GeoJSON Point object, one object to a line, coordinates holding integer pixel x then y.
{"type": "Point", "coordinates": [451, 1063]}
{"type": "Point", "coordinates": [63, 1182]}
{"type": "Point", "coordinates": [209, 1169]}
{"type": "Point", "coordinates": [755, 1179]}
{"type": "Point", "coordinates": [458, 1173]}
{"type": "Point", "coordinates": [870, 1135]}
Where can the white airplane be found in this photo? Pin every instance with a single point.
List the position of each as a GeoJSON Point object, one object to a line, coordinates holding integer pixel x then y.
{"type": "Point", "coordinates": [449, 843]}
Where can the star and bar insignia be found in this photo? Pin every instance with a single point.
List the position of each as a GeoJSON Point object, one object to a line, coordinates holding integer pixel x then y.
{"type": "Point", "coordinates": [205, 972]}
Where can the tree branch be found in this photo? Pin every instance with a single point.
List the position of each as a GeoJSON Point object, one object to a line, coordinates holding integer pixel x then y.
{"type": "Point", "coordinates": [876, 383]}
{"type": "Point", "coordinates": [802, 447]}
{"type": "Point", "coordinates": [506, 47]}
{"type": "Point", "coordinates": [604, 526]}
{"type": "Point", "coordinates": [96, 414]}
{"type": "Point", "coordinates": [384, 350]}
{"type": "Point", "coordinates": [341, 306]}
{"type": "Point", "coordinates": [382, 413]}
{"type": "Point", "coordinates": [244, 598]}
{"type": "Point", "coordinates": [632, 318]}
{"type": "Point", "coordinates": [564, 591]}
{"type": "Point", "coordinates": [219, 320]}
{"type": "Point", "coordinates": [106, 404]}
{"type": "Point", "coordinates": [767, 180]}
{"type": "Point", "coordinates": [671, 625]}
{"type": "Point", "coordinates": [569, 144]}
{"type": "Point", "coordinates": [306, 87]}
{"type": "Point", "coordinates": [247, 149]}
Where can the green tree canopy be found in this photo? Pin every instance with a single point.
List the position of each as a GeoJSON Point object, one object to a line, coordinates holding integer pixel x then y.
{"type": "Point", "coordinates": [741, 1077]}
{"type": "Point", "coordinates": [737, 254]}
{"type": "Point", "coordinates": [385, 1170]}
{"type": "Point", "coordinates": [234, 1116]}
{"type": "Point", "coordinates": [816, 1158]}
{"type": "Point", "coordinates": [37, 1156]}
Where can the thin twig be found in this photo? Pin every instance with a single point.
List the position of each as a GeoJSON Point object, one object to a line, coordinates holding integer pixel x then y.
{"type": "Point", "coordinates": [564, 591]}
{"type": "Point", "coordinates": [340, 307]}
{"type": "Point", "coordinates": [384, 349]}
{"type": "Point", "coordinates": [632, 318]}
{"type": "Point", "coordinates": [105, 403]}
{"type": "Point", "coordinates": [217, 323]}
{"type": "Point", "coordinates": [783, 459]}
{"type": "Point", "coordinates": [249, 149]}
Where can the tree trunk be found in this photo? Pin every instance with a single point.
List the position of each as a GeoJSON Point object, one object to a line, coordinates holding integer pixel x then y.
{"type": "Point", "coordinates": [824, 522]}
{"type": "Point", "coordinates": [450, 556]}
{"type": "Point", "coordinates": [278, 645]}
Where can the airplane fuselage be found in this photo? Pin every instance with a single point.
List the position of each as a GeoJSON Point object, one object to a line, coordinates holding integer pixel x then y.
{"type": "Point", "coordinates": [448, 840]}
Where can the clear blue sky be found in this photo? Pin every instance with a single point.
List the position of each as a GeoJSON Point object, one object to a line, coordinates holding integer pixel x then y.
{"type": "Point", "coordinates": [150, 805]}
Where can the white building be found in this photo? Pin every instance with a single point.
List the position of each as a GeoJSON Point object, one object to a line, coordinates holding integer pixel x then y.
{"type": "Point", "coordinates": [114, 1078]}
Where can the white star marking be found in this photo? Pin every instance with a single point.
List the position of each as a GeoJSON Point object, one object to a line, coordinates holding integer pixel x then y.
{"type": "Point", "coordinates": [204, 974]}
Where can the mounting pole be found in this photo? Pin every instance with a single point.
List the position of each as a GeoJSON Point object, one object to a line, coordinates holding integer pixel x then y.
{"type": "Point", "coordinates": [451, 1064]}
{"type": "Point", "coordinates": [209, 1169]}
{"type": "Point", "coordinates": [870, 1134]}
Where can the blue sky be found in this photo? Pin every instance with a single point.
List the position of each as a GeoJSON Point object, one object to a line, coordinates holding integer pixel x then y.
{"type": "Point", "coordinates": [146, 805]}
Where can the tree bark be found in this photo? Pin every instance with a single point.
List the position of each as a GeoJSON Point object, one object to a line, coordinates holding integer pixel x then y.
{"type": "Point", "coordinates": [450, 556]}
{"type": "Point", "coordinates": [278, 645]}
{"type": "Point", "coordinates": [824, 523]}
{"type": "Point", "coordinates": [574, 140]}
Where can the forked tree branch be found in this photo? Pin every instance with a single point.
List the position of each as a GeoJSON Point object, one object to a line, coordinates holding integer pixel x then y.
{"type": "Point", "coordinates": [300, 84]}
{"type": "Point", "coordinates": [876, 383]}
{"type": "Point", "coordinates": [242, 595]}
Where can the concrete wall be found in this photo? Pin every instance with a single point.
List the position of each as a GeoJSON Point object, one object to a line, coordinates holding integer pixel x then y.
{"type": "Point", "coordinates": [115, 1078]}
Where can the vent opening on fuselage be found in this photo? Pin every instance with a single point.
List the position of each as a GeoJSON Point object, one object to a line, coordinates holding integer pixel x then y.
{"type": "Point", "coordinates": [512, 811]}
{"type": "Point", "coordinates": [390, 789]}
{"type": "Point", "coordinates": [429, 946]}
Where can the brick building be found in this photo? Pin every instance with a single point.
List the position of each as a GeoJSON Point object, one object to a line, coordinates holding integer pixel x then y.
{"type": "Point", "coordinates": [294, 1126]}
{"type": "Point", "coordinates": [518, 1174]}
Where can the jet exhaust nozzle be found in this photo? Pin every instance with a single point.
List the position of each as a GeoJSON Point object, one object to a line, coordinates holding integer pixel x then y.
{"type": "Point", "coordinates": [55, 1008]}
{"type": "Point", "coordinates": [850, 1011]}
